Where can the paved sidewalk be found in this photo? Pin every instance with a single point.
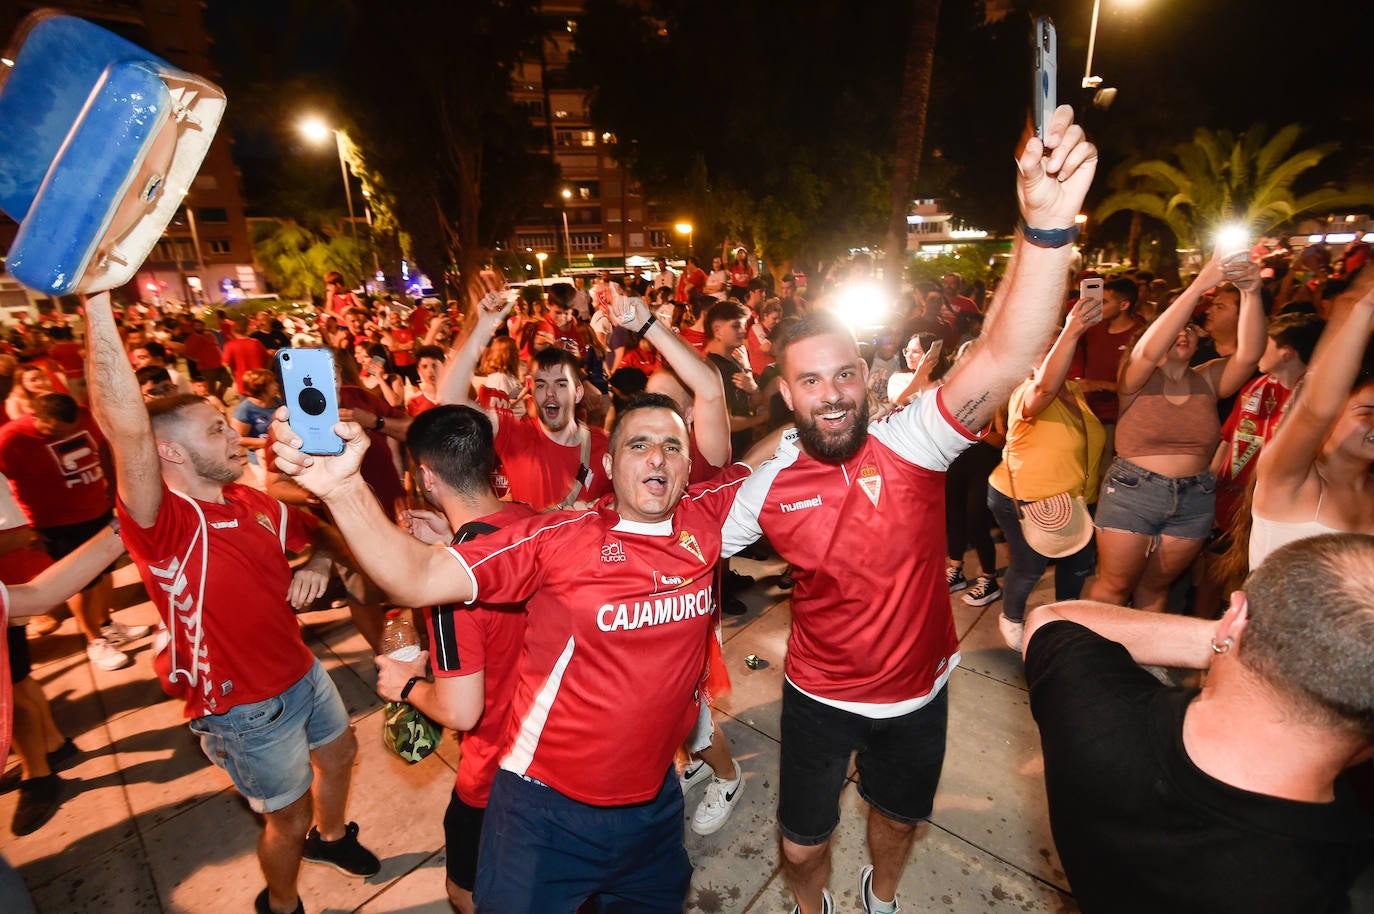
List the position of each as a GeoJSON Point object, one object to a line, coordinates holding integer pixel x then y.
{"type": "Point", "coordinates": [149, 826]}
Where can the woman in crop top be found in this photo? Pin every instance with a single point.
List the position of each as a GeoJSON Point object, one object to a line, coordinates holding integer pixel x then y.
{"type": "Point", "coordinates": [1158, 496]}
{"type": "Point", "coordinates": [1313, 477]}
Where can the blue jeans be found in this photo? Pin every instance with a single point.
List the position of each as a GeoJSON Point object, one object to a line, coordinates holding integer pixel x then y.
{"type": "Point", "coordinates": [1027, 565]}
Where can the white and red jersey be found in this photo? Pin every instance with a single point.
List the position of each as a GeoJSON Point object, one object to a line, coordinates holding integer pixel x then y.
{"type": "Point", "coordinates": [483, 638]}
{"type": "Point", "coordinates": [619, 614]}
{"type": "Point", "coordinates": [872, 630]}
{"type": "Point", "coordinates": [218, 575]}
{"type": "Point", "coordinates": [539, 470]}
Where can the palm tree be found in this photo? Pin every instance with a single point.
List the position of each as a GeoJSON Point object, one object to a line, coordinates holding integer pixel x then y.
{"type": "Point", "coordinates": [1223, 178]}
{"type": "Point", "coordinates": [911, 131]}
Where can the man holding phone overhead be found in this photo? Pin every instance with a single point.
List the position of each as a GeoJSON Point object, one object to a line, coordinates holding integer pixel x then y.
{"type": "Point", "coordinates": [212, 555]}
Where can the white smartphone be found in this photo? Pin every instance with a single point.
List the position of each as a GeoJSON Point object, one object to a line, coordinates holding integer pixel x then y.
{"type": "Point", "coordinates": [1090, 289]}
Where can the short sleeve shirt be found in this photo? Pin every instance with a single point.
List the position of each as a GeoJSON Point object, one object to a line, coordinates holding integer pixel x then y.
{"type": "Point", "coordinates": [539, 471]}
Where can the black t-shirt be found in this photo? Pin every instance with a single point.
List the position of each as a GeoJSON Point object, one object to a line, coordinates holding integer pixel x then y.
{"type": "Point", "coordinates": [1140, 828]}
{"type": "Point", "coordinates": [736, 400]}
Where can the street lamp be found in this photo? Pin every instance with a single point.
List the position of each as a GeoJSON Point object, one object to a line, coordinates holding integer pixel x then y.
{"type": "Point", "coordinates": [543, 290]}
{"type": "Point", "coordinates": [1089, 80]}
{"type": "Point", "coordinates": [567, 238]}
{"type": "Point", "coordinates": [317, 131]}
{"type": "Point", "coordinates": [685, 228]}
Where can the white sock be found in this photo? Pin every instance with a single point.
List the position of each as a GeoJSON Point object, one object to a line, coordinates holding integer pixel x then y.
{"type": "Point", "coordinates": [877, 906]}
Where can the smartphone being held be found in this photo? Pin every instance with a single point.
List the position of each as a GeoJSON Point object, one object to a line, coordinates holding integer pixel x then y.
{"type": "Point", "coordinates": [1090, 290]}
{"type": "Point", "coordinates": [312, 397]}
{"type": "Point", "coordinates": [1045, 69]}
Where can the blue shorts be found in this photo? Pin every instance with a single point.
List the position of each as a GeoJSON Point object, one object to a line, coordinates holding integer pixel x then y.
{"type": "Point", "coordinates": [544, 853]}
{"type": "Point", "coordinates": [1135, 500]}
{"type": "Point", "coordinates": [265, 746]}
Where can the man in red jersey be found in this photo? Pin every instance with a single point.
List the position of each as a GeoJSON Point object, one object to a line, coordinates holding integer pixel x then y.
{"type": "Point", "coordinates": [242, 353]}
{"type": "Point", "coordinates": [473, 653]}
{"type": "Point", "coordinates": [619, 602]}
{"type": "Point", "coordinates": [856, 510]}
{"type": "Point", "coordinates": [212, 555]}
{"type": "Point", "coordinates": [550, 459]}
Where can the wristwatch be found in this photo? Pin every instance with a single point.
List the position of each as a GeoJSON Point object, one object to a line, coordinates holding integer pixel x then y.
{"type": "Point", "coordinates": [381, 424]}
{"type": "Point", "coordinates": [1049, 238]}
{"type": "Point", "coordinates": [653, 319]}
{"type": "Point", "coordinates": [410, 684]}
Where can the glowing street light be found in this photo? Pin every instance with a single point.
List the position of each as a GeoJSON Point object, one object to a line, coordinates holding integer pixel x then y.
{"type": "Point", "coordinates": [1089, 80]}
{"type": "Point", "coordinates": [685, 228]}
{"type": "Point", "coordinates": [317, 131]}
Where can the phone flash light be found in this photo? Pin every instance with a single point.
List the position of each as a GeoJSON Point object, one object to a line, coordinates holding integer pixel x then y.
{"type": "Point", "coordinates": [1231, 238]}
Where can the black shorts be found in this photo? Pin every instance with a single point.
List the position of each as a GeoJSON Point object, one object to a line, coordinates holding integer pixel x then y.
{"type": "Point", "coordinates": [20, 663]}
{"type": "Point", "coordinates": [67, 538]}
{"type": "Point", "coordinates": [898, 760]}
{"type": "Point", "coordinates": [462, 832]}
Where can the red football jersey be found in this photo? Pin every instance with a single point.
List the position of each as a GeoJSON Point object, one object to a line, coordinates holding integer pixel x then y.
{"type": "Point", "coordinates": [483, 638]}
{"type": "Point", "coordinates": [218, 575]}
{"type": "Point", "coordinates": [619, 613]}
{"type": "Point", "coordinates": [871, 624]}
{"type": "Point", "coordinates": [540, 471]}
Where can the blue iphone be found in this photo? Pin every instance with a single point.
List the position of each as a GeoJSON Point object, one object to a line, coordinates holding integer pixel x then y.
{"type": "Point", "coordinates": [312, 397]}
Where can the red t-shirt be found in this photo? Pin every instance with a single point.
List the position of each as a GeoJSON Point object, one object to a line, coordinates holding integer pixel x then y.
{"type": "Point", "coordinates": [1098, 358]}
{"type": "Point", "coordinates": [418, 404]}
{"type": "Point", "coordinates": [871, 621]}
{"type": "Point", "coordinates": [402, 357]}
{"type": "Point", "coordinates": [740, 274]}
{"type": "Point", "coordinates": [615, 645]}
{"type": "Point", "coordinates": [378, 469]}
{"type": "Point", "coordinates": [58, 481]}
{"type": "Point", "coordinates": [758, 359]}
{"type": "Point", "coordinates": [540, 472]}
{"type": "Point", "coordinates": [218, 575]}
{"type": "Point", "coordinates": [68, 357]}
{"type": "Point", "coordinates": [483, 638]}
{"type": "Point", "coordinates": [1254, 419]}
{"type": "Point", "coordinates": [562, 337]}
{"type": "Point", "coordinates": [202, 350]}
{"type": "Point", "coordinates": [693, 279]}
{"type": "Point", "coordinates": [243, 354]}
{"type": "Point", "coordinates": [6, 687]}
{"type": "Point", "coordinates": [693, 337]}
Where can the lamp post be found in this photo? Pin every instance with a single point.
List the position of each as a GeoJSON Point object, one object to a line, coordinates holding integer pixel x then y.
{"type": "Point", "coordinates": [685, 228]}
{"type": "Point", "coordinates": [567, 237]}
{"type": "Point", "coordinates": [317, 131]}
{"type": "Point", "coordinates": [1089, 80]}
{"type": "Point", "coordinates": [543, 290]}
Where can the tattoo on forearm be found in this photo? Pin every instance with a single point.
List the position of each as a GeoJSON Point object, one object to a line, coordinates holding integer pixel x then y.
{"type": "Point", "coordinates": [966, 413]}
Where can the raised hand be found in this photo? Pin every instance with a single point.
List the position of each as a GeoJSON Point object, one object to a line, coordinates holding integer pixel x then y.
{"type": "Point", "coordinates": [630, 311]}
{"type": "Point", "coordinates": [319, 475]}
{"type": "Point", "coordinates": [1055, 175]}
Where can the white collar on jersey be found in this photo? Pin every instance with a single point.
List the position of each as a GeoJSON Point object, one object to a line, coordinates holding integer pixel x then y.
{"type": "Point", "coordinates": [661, 528]}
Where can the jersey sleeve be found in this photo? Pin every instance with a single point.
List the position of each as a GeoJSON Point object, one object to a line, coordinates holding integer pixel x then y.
{"type": "Point", "coordinates": [456, 643]}
{"type": "Point", "coordinates": [742, 522]}
{"type": "Point", "coordinates": [175, 523]}
{"type": "Point", "coordinates": [301, 527]}
{"type": "Point", "coordinates": [508, 566]}
{"type": "Point", "coordinates": [924, 433]}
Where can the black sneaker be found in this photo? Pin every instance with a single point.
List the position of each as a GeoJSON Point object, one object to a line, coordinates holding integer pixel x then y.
{"type": "Point", "coordinates": [954, 576]}
{"type": "Point", "coordinates": [735, 582]}
{"type": "Point", "coordinates": [262, 906]}
{"type": "Point", "coordinates": [346, 855]}
{"type": "Point", "coordinates": [983, 591]}
{"type": "Point", "coordinates": [39, 799]}
{"type": "Point", "coordinates": [733, 606]}
{"type": "Point", "coordinates": [785, 581]}
{"type": "Point", "coordinates": [63, 753]}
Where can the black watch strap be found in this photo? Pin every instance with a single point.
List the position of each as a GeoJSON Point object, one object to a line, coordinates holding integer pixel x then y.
{"type": "Point", "coordinates": [653, 319]}
{"type": "Point", "coordinates": [405, 693]}
{"type": "Point", "coordinates": [1049, 238]}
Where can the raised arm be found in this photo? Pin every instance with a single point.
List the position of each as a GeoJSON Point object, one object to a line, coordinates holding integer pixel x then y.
{"type": "Point", "coordinates": [409, 572]}
{"type": "Point", "coordinates": [1154, 343]}
{"type": "Point", "coordinates": [710, 415]}
{"type": "Point", "coordinates": [1150, 638]}
{"type": "Point", "coordinates": [1053, 179]}
{"type": "Point", "coordinates": [1251, 331]}
{"type": "Point", "coordinates": [1288, 458]}
{"type": "Point", "coordinates": [118, 407]}
{"type": "Point", "coordinates": [455, 383]}
{"type": "Point", "coordinates": [1049, 377]}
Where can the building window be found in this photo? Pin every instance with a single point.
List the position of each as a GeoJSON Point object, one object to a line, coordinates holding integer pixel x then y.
{"type": "Point", "coordinates": [587, 190]}
{"type": "Point", "coordinates": [212, 215]}
{"type": "Point", "coordinates": [543, 242]}
{"type": "Point", "coordinates": [205, 182]}
{"type": "Point", "coordinates": [586, 241]}
{"type": "Point", "coordinates": [658, 238]}
{"type": "Point", "coordinates": [581, 138]}
{"type": "Point", "coordinates": [218, 246]}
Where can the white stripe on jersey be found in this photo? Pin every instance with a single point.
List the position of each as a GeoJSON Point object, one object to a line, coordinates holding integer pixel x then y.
{"type": "Point", "coordinates": [468, 568]}
{"type": "Point", "coordinates": [742, 523]}
{"type": "Point", "coordinates": [521, 754]}
{"type": "Point", "coordinates": [886, 710]}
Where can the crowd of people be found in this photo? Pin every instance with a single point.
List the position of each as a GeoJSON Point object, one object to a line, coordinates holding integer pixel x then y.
{"type": "Point", "coordinates": [553, 484]}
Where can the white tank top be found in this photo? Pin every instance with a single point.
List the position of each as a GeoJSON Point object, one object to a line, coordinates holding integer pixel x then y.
{"type": "Point", "coordinates": [1268, 535]}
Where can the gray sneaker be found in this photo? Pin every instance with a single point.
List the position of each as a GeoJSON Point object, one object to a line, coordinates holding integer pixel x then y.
{"type": "Point", "coordinates": [106, 656]}
{"type": "Point", "coordinates": [866, 891]}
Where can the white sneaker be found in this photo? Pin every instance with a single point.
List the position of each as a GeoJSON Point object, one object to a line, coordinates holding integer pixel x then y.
{"type": "Point", "coordinates": [696, 772]}
{"type": "Point", "coordinates": [1013, 633]}
{"type": "Point", "coordinates": [106, 656]}
{"type": "Point", "coordinates": [119, 633]}
{"type": "Point", "coordinates": [721, 798]}
{"type": "Point", "coordinates": [866, 896]}
{"type": "Point", "coordinates": [827, 904]}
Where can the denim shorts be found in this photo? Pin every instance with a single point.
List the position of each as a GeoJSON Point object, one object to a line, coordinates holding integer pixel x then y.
{"type": "Point", "coordinates": [1135, 500]}
{"type": "Point", "coordinates": [265, 746]}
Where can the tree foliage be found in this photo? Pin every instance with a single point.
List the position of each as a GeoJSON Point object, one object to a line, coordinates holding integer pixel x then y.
{"type": "Point", "coordinates": [1252, 179]}
{"type": "Point", "coordinates": [293, 257]}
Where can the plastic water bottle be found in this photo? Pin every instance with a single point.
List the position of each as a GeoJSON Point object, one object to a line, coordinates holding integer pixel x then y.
{"type": "Point", "coordinates": [400, 641]}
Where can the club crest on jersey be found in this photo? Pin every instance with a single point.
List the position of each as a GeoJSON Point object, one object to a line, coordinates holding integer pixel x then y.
{"type": "Point", "coordinates": [689, 542]}
{"type": "Point", "coordinates": [266, 523]}
{"type": "Point", "coordinates": [871, 482]}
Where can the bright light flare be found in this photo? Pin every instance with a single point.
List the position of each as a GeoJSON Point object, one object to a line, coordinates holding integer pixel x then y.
{"type": "Point", "coordinates": [1232, 238]}
{"type": "Point", "coordinates": [684, 228]}
{"type": "Point", "coordinates": [862, 304]}
{"type": "Point", "coordinates": [541, 257]}
{"type": "Point", "coordinates": [315, 130]}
